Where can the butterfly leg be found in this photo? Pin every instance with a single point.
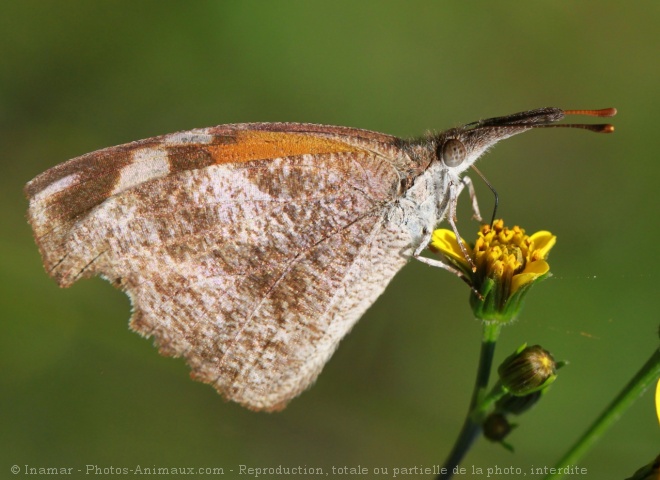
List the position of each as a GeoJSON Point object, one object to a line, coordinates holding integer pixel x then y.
{"type": "Point", "coordinates": [467, 182]}
{"type": "Point", "coordinates": [417, 255]}
{"type": "Point", "coordinates": [454, 191]}
{"type": "Point", "coordinates": [439, 264]}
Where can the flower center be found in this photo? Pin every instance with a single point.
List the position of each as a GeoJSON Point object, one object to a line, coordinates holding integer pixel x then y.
{"type": "Point", "coordinates": [501, 251]}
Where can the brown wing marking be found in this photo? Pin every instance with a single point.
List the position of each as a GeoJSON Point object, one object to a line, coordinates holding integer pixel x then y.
{"type": "Point", "coordinates": [63, 195]}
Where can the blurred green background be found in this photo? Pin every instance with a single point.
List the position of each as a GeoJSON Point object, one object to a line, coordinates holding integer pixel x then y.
{"type": "Point", "coordinates": [78, 388]}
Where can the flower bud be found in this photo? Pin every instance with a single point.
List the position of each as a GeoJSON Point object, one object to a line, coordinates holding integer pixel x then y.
{"type": "Point", "coordinates": [516, 405]}
{"type": "Point", "coordinates": [496, 427]}
{"type": "Point", "coordinates": [528, 370]}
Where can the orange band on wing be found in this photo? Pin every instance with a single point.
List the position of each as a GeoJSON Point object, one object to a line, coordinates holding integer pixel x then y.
{"type": "Point", "coordinates": [258, 145]}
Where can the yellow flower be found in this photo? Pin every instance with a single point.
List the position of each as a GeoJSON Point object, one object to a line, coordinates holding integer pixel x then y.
{"type": "Point", "coordinates": [657, 400]}
{"type": "Point", "coordinates": [507, 262]}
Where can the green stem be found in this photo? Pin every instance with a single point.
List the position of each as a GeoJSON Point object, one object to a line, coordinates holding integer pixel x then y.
{"type": "Point", "coordinates": [647, 375]}
{"type": "Point", "coordinates": [487, 403]}
{"type": "Point", "coordinates": [472, 426]}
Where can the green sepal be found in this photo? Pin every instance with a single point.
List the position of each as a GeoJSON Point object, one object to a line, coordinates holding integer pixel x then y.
{"type": "Point", "coordinates": [495, 304]}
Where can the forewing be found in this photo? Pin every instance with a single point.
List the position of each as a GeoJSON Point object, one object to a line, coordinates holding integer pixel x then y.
{"type": "Point", "coordinates": [251, 267]}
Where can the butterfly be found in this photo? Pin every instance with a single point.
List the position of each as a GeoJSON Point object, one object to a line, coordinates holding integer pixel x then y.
{"type": "Point", "coordinates": [252, 249]}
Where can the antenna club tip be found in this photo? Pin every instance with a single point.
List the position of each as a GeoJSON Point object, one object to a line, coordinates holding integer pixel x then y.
{"type": "Point", "coordinates": [603, 112]}
{"type": "Point", "coordinates": [608, 128]}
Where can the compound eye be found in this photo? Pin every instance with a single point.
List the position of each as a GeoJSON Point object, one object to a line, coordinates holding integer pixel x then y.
{"type": "Point", "coordinates": [453, 152]}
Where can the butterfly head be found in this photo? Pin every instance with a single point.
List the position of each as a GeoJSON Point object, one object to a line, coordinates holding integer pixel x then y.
{"type": "Point", "coordinates": [459, 148]}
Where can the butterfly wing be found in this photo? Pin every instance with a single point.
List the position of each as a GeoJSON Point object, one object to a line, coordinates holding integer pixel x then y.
{"type": "Point", "coordinates": [250, 250]}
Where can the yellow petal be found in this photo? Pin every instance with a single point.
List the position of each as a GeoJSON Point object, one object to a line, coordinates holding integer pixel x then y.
{"type": "Point", "coordinates": [657, 400]}
{"type": "Point", "coordinates": [532, 271]}
{"type": "Point", "coordinates": [445, 242]}
{"type": "Point", "coordinates": [543, 242]}
{"type": "Point", "coordinates": [538, 268]}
